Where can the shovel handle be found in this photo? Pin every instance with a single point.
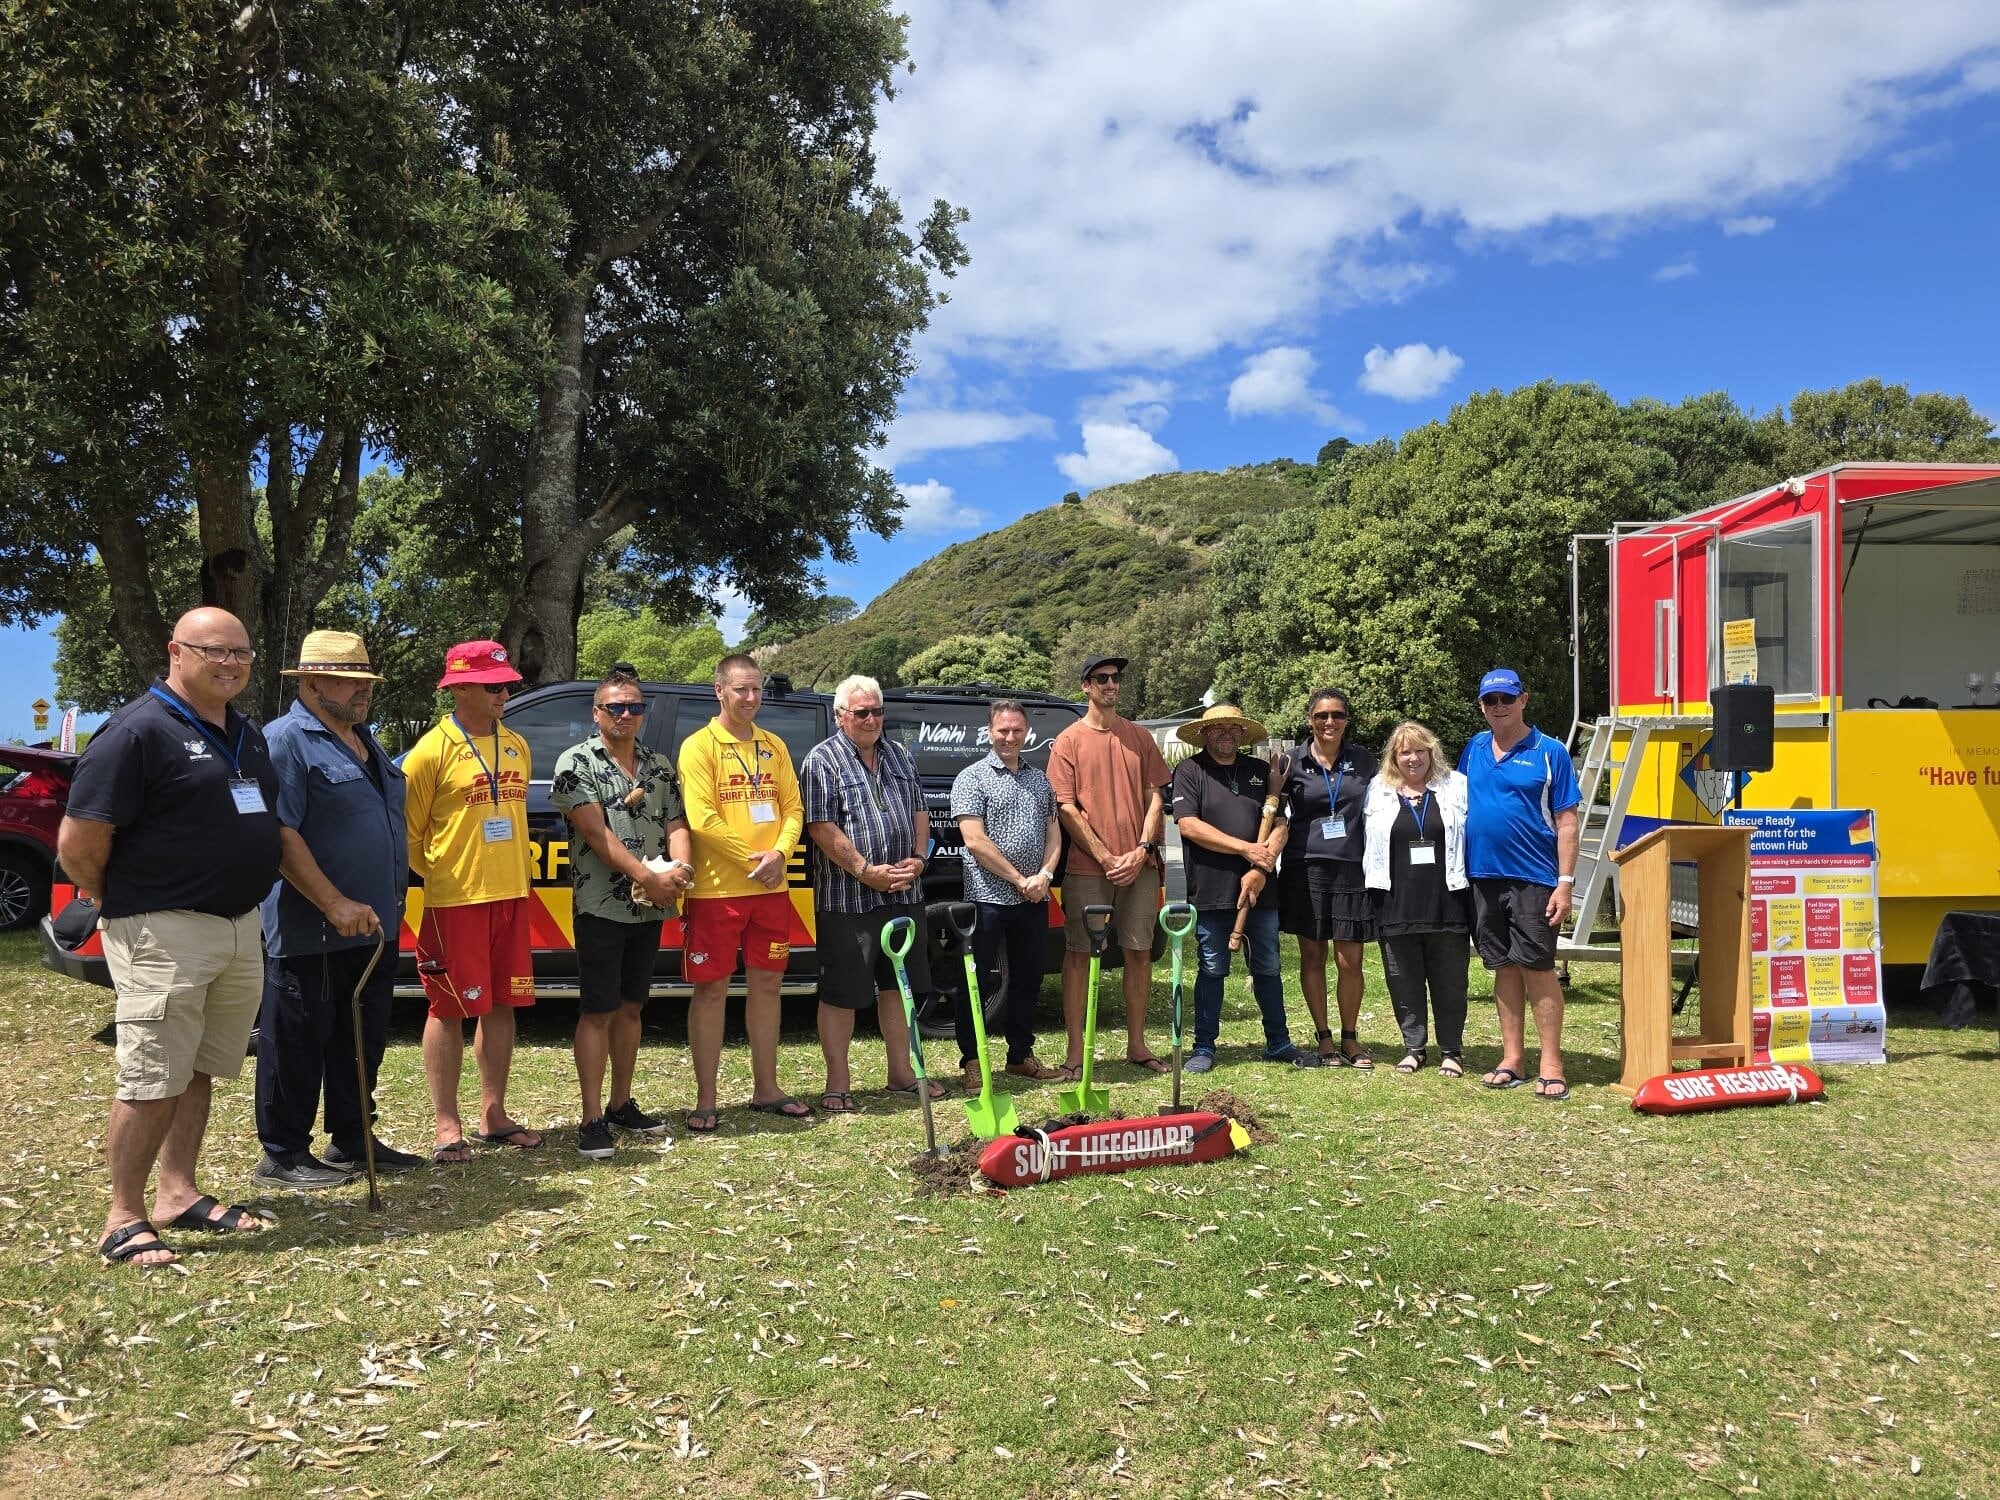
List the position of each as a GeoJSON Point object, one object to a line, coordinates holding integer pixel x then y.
{"type": "Point", "coordinates": [1177, 911]}
{"type": "Point", "coordinates": [961, 918]}
{"type": "Point", "coordinates": [1097, 927]}
{"type": "Point", "coordinates": [898, 935]}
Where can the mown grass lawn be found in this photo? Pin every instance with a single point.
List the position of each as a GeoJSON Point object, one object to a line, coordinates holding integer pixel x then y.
{"type": "Point", "coordinates": [1418, 1288]}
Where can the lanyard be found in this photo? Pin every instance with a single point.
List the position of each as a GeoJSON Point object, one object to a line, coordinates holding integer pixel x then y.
{"type": "Point", "coordinates": [492, 781]}
{"type": "Point", "coordinates": [1332, 786]}
{"type": "Point", "coordinates": [207, 731]}
{"type": "Point", "coordinates": [755, 778]}
{"type": "Point", "coordinates": [1420, 811]}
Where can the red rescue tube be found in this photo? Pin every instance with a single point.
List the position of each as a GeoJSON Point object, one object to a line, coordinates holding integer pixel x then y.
{"type": "Point", "coordinates": [1696, 1089]}
{"type": "Point", "coordinates": [1022, 1160]}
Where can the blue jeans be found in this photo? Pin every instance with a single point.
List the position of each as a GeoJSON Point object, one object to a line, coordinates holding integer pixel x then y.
{"type": "Point", "coordinates": [1260, 937]}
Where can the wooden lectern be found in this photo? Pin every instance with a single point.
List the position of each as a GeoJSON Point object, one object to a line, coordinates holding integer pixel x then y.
{"type": "Point", "coordinates": [1721, 857]}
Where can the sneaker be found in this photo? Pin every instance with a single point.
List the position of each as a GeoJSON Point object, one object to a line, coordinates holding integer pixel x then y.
{"type": "Point", "coordinates": [1199, 1062]}
{"type": "Point", "coordinates": [593, 1139]}
{"type": "Point", "coordinates": [387, 1159]}
{"type": "Point", "coordinates": [299, 1170]}
{"type": "Point", "coordinates": [634, 1120]}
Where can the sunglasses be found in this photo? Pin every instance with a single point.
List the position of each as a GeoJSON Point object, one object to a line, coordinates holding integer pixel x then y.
{"type": "Point", "coordinates": [1103, 678]}
{"type": "Point", "coordinates": [497, 688]}
{"type": "Point", "coordinates": [1499, 700]}
{"type": "Point", "coordinates": [622, 710]}
{"type": "Point", "coordinates": [1329, 718]}
{"type": "Point", "coordinates": [878, 711]}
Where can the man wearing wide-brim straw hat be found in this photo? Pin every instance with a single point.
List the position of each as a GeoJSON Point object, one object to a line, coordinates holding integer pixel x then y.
{"type": "Point", "coordinates": [1230, 850]}
{"type": "Point", "coordinates": [344, 866]}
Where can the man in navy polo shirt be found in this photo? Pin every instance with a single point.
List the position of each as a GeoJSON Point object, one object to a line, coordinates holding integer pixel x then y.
{"type": "Point", "coordinates": [1520, 852]}
{"type": "Point", "coordinates": [170, 829]}
{"type": "Point", "coordinates": [344, 862]}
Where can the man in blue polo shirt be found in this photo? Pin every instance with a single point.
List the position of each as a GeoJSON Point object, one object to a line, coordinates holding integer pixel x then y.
{"type": "Point", "coordinates": [1520, 852]}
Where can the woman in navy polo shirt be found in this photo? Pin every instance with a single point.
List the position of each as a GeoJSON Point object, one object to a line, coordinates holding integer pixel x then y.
{"type": "Point", "coordinates": [1322, 898]}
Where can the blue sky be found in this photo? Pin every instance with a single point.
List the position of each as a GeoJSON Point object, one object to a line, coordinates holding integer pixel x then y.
{"type": "Point", "coordinates": [1191, 225]}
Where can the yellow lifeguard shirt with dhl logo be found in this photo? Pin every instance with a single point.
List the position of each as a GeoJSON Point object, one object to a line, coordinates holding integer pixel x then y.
{"type": "Point", "coordinates": [455, 786]}
{"type": "Point", "coordinates": [723, 781]}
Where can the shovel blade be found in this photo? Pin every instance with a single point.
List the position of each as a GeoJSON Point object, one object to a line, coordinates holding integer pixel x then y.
{"type": "Point", "coordinates": [991, 1118]}
{"type": "Point", "coordinates": [1085, 1101]}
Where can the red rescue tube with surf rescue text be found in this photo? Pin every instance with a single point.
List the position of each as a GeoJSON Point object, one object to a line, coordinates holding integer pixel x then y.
{"type": "Point", "coordinates": [1697, 1089]}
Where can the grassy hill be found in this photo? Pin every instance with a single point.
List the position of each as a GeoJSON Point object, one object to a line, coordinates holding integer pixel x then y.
{"type": "Point", "coordinates": [1089, 561]}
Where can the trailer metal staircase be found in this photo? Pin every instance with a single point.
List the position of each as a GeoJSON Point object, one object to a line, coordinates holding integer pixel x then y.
{"type": "Point", "coordinates": [1604, 777]}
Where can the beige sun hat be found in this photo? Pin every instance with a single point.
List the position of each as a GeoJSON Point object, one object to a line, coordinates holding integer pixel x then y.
{"type": "Point", "coordinates": [1223, 716]}
{"type": "Point", "coordinates": [334, 653]}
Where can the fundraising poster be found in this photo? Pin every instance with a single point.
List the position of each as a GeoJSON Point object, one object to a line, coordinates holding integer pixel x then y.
{"type": "Point", "coordinates": [1815, 936]}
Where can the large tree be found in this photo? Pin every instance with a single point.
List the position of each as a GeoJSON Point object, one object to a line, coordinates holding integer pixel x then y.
{"type": "Point", "coordinates": [733, 299]}
{"type": "Point", "coordinates": [237, 252]}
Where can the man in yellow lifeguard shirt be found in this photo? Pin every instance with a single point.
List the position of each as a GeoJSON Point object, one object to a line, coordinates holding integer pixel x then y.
{"type": "Point", "coordinates": [467, 812]}
{"type": "Point", "coordinates": [745, 816]}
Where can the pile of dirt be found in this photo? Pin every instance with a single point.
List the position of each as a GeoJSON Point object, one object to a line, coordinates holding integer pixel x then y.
{"type": "Point", "coordinates": [1222, 1102]}
{"type": "Point", "coordinates": [946, 1176]}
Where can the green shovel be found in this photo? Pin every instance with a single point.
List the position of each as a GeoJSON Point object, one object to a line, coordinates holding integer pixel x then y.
{"type": "Point", "coordinates": [1176, 912]}
{"type": "Point", "coordinates": [989, 1117]}
{"type": "Point", "coordinates": [1083, 1099]}
{"type": "Point", "coordinates": [897, 937]}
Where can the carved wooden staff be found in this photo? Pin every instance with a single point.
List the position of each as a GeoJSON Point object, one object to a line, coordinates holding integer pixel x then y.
{"type": "Point", "coordinates": [1274, 793]}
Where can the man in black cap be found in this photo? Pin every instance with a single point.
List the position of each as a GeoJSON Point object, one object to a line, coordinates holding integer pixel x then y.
{"type": "Point", "coordinates": [1109, 779]}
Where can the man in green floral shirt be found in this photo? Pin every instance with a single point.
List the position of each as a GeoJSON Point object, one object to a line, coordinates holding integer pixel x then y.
{"type": "Point", "coordinates": [629, 865]}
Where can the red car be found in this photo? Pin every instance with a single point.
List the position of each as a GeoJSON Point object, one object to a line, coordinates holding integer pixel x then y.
{"type": "Point", "coordinates": [34, 787]}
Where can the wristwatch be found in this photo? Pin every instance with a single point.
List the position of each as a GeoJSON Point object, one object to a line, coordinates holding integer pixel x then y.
{"type": "Point", "coordinates": [1148, 845]}
{"type": "Point", "coordinates": [1565, 880]}
{"type": "Point", "coordinates": [1048, 874]}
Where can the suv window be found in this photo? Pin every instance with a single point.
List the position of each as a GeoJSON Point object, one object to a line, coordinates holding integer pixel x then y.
{"type": "Point", "coordinates": [799, 725]}
{"type": "Point", "coordinates": [551, 723]}
{"type": "Point", "coordinates": [944, 735]}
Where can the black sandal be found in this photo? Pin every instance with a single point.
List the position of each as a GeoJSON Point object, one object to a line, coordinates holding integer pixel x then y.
{"type": "Point", "coordinates": [1323, 1059]}
{"type": "Point", "coordinates": [1413, 1062]}
{"type": "Point", "coordinates": [1360, 1059]}
{"type": "Point", "coordinates": [1449, 1065]}
{"type": "Point", "coordinates": [118, 1246]}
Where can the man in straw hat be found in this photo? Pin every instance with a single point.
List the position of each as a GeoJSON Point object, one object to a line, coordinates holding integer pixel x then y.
{"type": "Point", "coordinates": [1219, 798]}
{"type": "Point", "coordinates": [342, 859]}
{"type": "Point", "coordinates": [467, 818]}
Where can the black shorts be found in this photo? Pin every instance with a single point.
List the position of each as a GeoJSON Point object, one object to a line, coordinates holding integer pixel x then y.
{"type": "Point", "coordinates": [853, 969]}
{"type": "Point", "coordinates": [1325, 900]}
{"type": "Point", "coordinates": [614, 962]}
{"type": "Point", "coordinates": [1511, 924]}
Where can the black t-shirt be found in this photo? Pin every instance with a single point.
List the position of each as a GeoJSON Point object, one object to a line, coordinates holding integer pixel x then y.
{"type": "Point", "coordinates": [163, 781]}
{"type": "Point", "coordinates": [1418, 899]}
{"type": "Point", "coordinates": [1306, 804]}
{"type": "Point", "coordinates": [1228, 798]}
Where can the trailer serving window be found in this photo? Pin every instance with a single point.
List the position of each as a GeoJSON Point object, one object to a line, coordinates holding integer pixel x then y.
{"type": "Point", "coordinates": [1771, 577]}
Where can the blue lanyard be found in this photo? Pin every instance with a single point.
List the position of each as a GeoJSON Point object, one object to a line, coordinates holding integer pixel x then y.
{"type": "Point", "coordinates": [207, 731]}
{"type": "Point", "coordinates": [755, 778]}
{"type": "Point", "coordinates": [492, 781]}
{"type": "Point", "coordinates": [1420, 811]}
{"type": "Point", "coordinates": [1332, 786]}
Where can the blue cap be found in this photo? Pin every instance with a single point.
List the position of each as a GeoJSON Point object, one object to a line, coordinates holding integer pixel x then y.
{"type": "Point", "coordinates": [1501, 680]}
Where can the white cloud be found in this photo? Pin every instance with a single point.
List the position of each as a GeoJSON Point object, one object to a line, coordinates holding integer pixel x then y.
{"type": "Point", "coordinates": [1677, 270]}
{"type": "Point", "coordinates": [1409, 372]}
{"type": "Point", "coordinates": [1749, 225]}
{"type": "Point", "coordinates": [930, 507]}
{"type": "Point", "coordinates": [1152, 181]}
{"type": "Point", "coordinates": [733, 613]}
{"type": "Point", "coordinates": [939, 429]}
{"type": "Point", "coordinates": [1279, 382]}
{"type": "Point", "coordinates": [1114, 452]}
{"type": "Point", "coordinates": [1141, 402]}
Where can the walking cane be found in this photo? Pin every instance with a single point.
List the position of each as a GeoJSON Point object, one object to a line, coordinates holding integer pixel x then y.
{"type": "Point", "coordinates": [1274, 793]}
{"type": "Point", "coordinates": [361, 1071]}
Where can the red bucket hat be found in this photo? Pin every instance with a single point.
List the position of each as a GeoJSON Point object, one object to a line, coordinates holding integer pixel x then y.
{"type": "Point", "coordinates": [477, 661]}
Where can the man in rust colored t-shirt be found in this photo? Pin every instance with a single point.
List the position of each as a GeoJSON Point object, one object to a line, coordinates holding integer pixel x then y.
{"type": "Point", "coordinates": [1109, 776]}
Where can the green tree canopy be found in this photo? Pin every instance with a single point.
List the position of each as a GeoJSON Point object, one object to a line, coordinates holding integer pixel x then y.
{"type": "Point", "coordinates": [788, 621]}
{"type": "Point", "coordinates": [1003, 660]}
{"type": "Point", "coordinates": [661, 651]}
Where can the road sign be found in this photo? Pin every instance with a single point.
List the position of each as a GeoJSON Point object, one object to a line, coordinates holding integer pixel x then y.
{"type": "Point", "coordinates": [41, 711]}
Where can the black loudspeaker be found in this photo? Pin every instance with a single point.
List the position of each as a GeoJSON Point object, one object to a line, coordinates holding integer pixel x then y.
{"type": "Point", "coordinates": [1745, 716]}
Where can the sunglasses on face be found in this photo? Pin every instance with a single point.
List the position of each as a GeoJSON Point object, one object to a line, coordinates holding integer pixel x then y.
{"type": "Point", "coordinates": [875, 712]}
{"type": "Point", "coordinates": [622, 710]}
{"type": "Point", "coordinates": [1499, 700]}
{"type": "Point", "coordinates": [1104, 678]}
{"type": "Point", "coordinates": [1335, 717]}
{"type": "Point", "coordinates": [496, 688]}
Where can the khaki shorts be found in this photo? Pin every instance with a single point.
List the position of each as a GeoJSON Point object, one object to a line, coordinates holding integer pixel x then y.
{"type": "Point", "coordinates": [189, 985]}
{"type": "Point", "coordinates": [1136, 910]}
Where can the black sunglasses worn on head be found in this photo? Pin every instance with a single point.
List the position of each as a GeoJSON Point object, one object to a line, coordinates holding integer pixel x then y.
{"type": "Point", "coordinates": [1499, 700]}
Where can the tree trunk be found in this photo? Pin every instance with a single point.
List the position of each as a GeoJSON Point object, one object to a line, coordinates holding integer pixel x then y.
{"type": "Point", "coordinates": [136, 623]}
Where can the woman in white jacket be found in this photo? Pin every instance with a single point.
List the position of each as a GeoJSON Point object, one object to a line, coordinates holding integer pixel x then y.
{"type": "Point", "coordinates": [1414, 864]}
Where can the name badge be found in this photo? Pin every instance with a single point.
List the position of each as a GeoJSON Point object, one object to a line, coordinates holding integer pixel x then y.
{"type": "Point", "coordinates": [499, 830]}
{"type": "Point", "coordinates": [247, 795]}
{"type": "Point", "coordinates": [763, 812]}
{"type": "Point", "coordinates": [1423, 854]}
{"type": "Point", "coordinates": [1333, 828]}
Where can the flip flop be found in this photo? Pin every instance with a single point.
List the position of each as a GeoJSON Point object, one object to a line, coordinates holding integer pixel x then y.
{"type": "Point", "coordinates": [1150, 1064]}
{"type": "Point", "coordinates": [1069, 1072]}
{"type": "Point", "coordinates": [938, 1089]}
{"type": "Point", "coordinates": [1560, 1093]}
{"type": "Point", "coordinates": [785, 1107]}
{"type": "Point", "coordinates": [510, 1137]}
{"type": "Point", "coordinates": [702, 1121]}
{"type": "Point", "coordinates": [117, 1246]}
{"type": "Point", "coordinates": [838, 1104]}
{"type": "Point", "coordinates": [1508, 1079]}
{"type": "Point", "coordinates": [234, 1219]}
{"type": "Point", "coordinates": [451, 1153]}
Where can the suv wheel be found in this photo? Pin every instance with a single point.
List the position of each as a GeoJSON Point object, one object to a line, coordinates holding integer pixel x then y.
{"type": "Point", "coordinates": [24, 890]}
{"type": "Point", "coordinates": [935, 1010]}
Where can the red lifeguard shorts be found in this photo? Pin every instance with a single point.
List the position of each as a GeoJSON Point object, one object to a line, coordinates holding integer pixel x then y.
{"type": "Point", "coordinates": [472, 958]}
{"type": "Point", "coordinates": [718, 927]}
